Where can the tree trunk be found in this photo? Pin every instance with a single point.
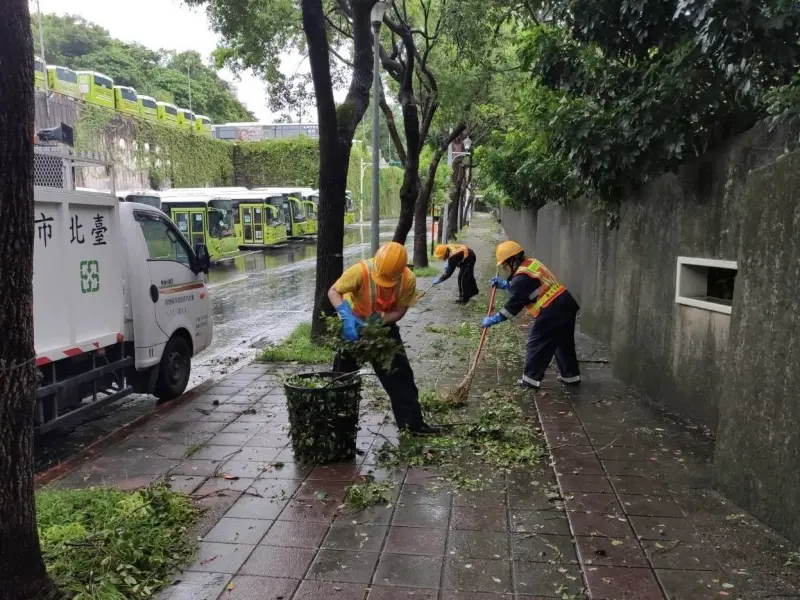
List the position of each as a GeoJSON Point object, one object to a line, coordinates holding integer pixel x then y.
{"type": "Point", "coordinates": [22, 570]}
{"type": "Point", "coordinates": [456, 182]}
{"type": "Point", "coordinates": [336, 130]}
{"type": "Point", "coordinates": [411, 182]}
{"type": "Point", "coordinates": [423, 201]}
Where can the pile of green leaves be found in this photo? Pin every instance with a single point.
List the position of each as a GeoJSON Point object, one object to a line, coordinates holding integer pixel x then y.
{"type": "Point", "coordinates": [298, 347]}
{"type": "Point", "coordinates": [367, 493]}
{"type": "Point", "coordinates": [499, 435]}
{"type": "Point", "coordinates": [106, 544]}
{"type": "Point", "coordinates": [323, 423]}
{"type": "Point", "coordinates": [375, 344]}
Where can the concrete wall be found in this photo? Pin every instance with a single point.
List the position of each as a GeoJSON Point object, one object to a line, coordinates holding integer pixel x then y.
{"type": "Point", "coordinates": [624, 278]}
{"type": "Point", "coordinates": [758, 446]}
{"type": "Point", "coordinates": [738, 374]}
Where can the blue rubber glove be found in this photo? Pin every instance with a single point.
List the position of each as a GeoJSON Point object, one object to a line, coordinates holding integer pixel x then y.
{"type": "Point", "coordinates": [437, 281]}
{"type": "Point", "coordinates": [493, 320]}
{"type": "Point", "coordinates": [499, 283]}
{"type": "Point", "coordinates": [350, 323]}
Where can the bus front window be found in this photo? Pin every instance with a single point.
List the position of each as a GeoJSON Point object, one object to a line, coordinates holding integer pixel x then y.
{"type": "Point", "coordinates": [220, 218]}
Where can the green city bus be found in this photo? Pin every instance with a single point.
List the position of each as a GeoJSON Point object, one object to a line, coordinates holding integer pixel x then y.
{"type": "Point", "coordinates": [39, 73]}
{"type": "Point", "coordinates": [96, 88]}
{"type": "Point", "coordinates": [126, 99]}
{"type": "Point", "coordinates": [259, 220]}
{"type": "Point", "coordinates": [199, 217]}
{"type": "Point", "coordinates": [295, 213]}
{"type": "Point", "coordinates": [185, 118]}
{"type": "Point", "coordinates": [204, 220]}
{"type": "Point", "coordinates": [167, 113]}
{"type": "Point", "coordinates": [63, 81]}
{"type": "Point", "coordinates": [311, 204]}
{"type": "Point", "coordinates": [202, 125]}
{"type": "Point", "coordinates": [148, 108]}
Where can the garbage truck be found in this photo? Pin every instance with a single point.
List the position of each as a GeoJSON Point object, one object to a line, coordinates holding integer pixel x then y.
{"type": "Point", "coordinates": [119, 295]}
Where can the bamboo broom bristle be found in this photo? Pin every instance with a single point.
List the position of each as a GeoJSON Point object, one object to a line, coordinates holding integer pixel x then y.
{"type": "Point", "coordinates": [459, 396]}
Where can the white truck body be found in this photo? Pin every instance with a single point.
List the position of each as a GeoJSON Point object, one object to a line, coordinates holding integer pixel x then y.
{"type": "Point", "coordinates": [77, 275]}
{"type": "Point", "coordinates": [120, 301]}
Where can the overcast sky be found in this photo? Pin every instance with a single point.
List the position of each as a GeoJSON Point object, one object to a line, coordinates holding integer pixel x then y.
{"type": "Point", "coordinates": [167, 24]}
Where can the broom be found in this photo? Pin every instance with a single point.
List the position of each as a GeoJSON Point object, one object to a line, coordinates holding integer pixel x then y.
{"type": "Point", "coordinates": [427, 289]}
{"type": "Point", "coordinates": [458, 397]}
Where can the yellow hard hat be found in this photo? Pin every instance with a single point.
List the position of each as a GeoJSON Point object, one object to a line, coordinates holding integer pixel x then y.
{"type": "Point", "coordinates": [440, 251]}
{"type": "Point", "coordinates": [390, 262]}
{"type": "Point", "coordinates": [506, 250]}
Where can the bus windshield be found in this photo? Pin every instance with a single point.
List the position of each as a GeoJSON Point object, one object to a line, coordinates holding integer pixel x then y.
{"type": "Point", "coordinates": [278, 203]}
{"type": "Point", "coordinates": [220, 218]}
{"type": "Point", "coordinates": [67, 75]}
{"type": "Point", "coordinates": [298, 214]}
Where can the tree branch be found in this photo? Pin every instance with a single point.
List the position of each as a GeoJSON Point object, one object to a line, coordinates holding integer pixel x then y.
{"type": "Point", "coordinates": [392, 125]}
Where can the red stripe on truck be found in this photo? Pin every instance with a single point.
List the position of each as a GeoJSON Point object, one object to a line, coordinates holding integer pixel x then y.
{"type": "Point", "coordinates": [182, 288]}
{"type": "Point", "coordinates": [73, 352]}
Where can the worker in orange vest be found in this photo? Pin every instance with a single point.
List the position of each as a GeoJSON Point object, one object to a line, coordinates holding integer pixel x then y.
{"type": "Point", "coordinates": [382, 287]}
{"type": "Point", "coordinates": [458, 256]}
{"type": "Point", "coordinates": [533, 286]}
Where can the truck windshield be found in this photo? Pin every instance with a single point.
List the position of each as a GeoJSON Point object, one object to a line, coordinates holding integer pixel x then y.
{"type": "Point", "coordinates": [220, 218]}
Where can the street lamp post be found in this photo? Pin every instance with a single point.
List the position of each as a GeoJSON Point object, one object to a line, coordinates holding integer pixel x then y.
{"type": "Point", "coordinates": [377, 18]}
{"type": "Point", "coordinates": [364, 167]}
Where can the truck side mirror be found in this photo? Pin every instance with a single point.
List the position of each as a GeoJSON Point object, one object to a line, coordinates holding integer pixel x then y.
{"type": "Point", "coordinates": [202, 259]}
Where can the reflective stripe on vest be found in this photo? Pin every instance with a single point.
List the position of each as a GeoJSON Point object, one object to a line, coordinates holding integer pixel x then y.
{"type": "Point", "coordinates": [455, 249]}
{"type": "Point", "coordinates": [550, 287]}
{"type": "Point", "coordinates": [364, 302]}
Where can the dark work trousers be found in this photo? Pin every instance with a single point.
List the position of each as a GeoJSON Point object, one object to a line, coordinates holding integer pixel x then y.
{"type": "Point", "coordinates": [467, 286]}
{"type": "Point", "coordinates": [553, 333]}
{"type": "Point", "coordinates": [398, 383]}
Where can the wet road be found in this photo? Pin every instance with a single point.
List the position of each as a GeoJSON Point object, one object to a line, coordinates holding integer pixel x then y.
{"type": "Point", "coordinates": [257, 298]}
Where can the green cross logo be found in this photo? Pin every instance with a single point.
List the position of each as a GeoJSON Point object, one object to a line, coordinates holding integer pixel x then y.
{"type": "Point", "coordinates": [90, 276]}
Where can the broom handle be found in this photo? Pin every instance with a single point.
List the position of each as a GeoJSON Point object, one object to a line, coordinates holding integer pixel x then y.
{"type": "Point", "coordinates": [483, 334]}
{"type": "Point", "coordinates": [427, 289]}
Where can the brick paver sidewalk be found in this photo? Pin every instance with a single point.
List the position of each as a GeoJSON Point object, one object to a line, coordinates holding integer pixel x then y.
{"type": "Point", "coordinates": [622, 509]}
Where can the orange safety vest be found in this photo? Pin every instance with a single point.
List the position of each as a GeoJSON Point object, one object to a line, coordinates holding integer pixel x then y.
{"type": "Point", "coordinates": [455, 249]}
{"type": "Point", "coordinates": [367, 301]}
{"type": "Point", "coordinates": [550, 287]}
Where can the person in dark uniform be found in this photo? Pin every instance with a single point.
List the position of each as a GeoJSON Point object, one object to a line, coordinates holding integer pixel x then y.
{"type": "Point", "coordinates": [533, 286]}
{"type": "Point", "coordinates": [458, 256]}
{"type": "Point", "coordinates": [382, 288]}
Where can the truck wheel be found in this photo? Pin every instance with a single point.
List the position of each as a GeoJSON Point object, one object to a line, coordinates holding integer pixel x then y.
{"type": "Point", "coordinates": [174, 369]}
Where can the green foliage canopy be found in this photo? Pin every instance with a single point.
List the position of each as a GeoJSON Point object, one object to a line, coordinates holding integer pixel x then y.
{"type": "Point", "coordinates": [621, 91]}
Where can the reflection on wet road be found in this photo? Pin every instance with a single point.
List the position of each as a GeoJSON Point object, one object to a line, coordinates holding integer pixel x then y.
{"type": "Point", "coordinates": [259, 296]}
